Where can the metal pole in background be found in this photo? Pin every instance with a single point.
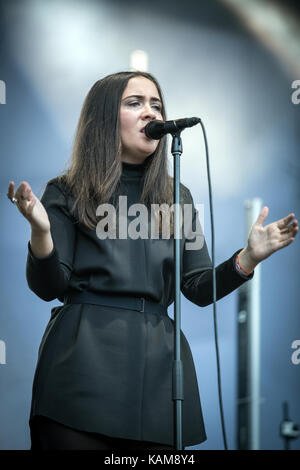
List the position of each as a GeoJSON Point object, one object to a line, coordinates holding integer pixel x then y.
{"type": "Point", "coordinates": [248, 405]}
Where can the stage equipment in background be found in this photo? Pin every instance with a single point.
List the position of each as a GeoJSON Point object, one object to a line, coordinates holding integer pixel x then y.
{"type": "Point", "coordinates": [248, 351]}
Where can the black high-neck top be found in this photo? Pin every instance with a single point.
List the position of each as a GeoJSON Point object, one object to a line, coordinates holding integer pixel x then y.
{"type": "Point", "coordinates": [133, 170]}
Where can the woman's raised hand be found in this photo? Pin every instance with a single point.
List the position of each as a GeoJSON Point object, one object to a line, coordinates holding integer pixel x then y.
{"type": "Point", "coordinates": [29, 206]}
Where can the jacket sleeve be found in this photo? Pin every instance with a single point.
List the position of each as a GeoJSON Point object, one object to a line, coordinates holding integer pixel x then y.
{"type": "Point", "coordinates": [197, 273]}
{"type": "Point", "coordinates": [49, 277]}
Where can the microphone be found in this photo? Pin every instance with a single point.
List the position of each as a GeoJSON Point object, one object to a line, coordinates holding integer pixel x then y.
{"type": "Point", "coordinates": [157, 129]}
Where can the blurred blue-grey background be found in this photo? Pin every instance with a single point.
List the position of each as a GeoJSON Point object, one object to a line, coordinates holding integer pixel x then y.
{"type": "Point", "coordinates": [230, 62]}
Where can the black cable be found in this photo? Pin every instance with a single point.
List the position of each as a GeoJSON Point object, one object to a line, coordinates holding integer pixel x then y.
{"type": "Point", "coordinates": [214, 285]}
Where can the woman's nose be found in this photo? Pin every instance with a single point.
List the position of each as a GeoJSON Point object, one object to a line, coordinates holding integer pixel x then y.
{"type": "Point", "coordinates": [148, 111]}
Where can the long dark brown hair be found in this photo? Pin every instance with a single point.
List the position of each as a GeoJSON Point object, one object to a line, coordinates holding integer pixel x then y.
{"type": "Point", "coordinates": [94, 174]}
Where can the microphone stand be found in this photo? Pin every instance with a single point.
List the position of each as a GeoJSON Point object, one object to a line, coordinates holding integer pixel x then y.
{"type": "Point", "coordinates": [177, 373]}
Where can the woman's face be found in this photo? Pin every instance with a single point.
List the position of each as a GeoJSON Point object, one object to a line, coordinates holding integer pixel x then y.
{"type": "Point", "coordinates": [140, 104]}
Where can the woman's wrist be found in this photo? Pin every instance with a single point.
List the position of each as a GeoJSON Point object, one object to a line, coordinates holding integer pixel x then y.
{"type": "Point", "coordinates": [41, 243]}
{"type": "Point", "coordinates": [245, 261]}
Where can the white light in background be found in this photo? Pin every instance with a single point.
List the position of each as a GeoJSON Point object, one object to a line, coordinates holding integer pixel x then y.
{"type": "Point", "coordinates": [139, 61]}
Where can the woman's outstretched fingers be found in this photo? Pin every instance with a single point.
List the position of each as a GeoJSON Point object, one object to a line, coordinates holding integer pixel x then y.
{"type": "Point", "coordinates": [289, 232]}
{"type": "Point", "coordinates": [22, 191]}
{"type": "Point", "coordinates": [263, 215]}
{"type": "Point", "coordinates": [11, 190]}
{"type": "Point", "coordinates": [285, 221]}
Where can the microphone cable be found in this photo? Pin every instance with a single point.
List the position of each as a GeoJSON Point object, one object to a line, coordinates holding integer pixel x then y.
{"type": "Point", "coordinates": [214, 285]}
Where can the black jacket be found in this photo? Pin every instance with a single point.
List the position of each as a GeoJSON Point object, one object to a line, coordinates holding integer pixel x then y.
{"type": "Point", "coordinates": [104, 369]}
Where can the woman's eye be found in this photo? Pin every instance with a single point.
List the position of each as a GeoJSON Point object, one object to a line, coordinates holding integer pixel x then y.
{"type": "Point", "coordinates": [158, 108]}
{"type": "Point", "coordinates": [137, 103]}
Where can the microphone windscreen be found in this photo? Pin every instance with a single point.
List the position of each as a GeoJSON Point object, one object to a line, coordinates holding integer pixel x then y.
{"type": "Point", "coordinates": [155, 129]}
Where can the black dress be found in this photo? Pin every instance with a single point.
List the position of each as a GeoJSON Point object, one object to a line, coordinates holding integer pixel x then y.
{"type": "Point", "coordinates": [108, 370]}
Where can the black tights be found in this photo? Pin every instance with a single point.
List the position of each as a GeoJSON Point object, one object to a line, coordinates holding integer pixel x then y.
{"type": "Point", "coordinates": [51, 435]}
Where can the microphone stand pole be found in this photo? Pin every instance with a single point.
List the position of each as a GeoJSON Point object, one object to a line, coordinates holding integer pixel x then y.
{"type": "Point", "coordinates": [177, 373]}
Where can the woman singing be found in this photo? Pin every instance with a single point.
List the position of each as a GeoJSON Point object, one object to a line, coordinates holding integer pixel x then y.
{"type": "Point", "coordinates": [103, 378]}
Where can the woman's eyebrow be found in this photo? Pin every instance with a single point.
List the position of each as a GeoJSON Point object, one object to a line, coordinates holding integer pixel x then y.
{"type": "Point", "coordinates": [153, 98]}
